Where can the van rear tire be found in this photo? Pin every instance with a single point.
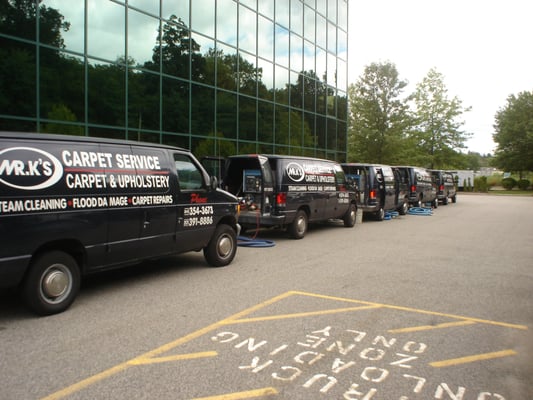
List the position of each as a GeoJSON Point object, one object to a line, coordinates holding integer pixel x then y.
{"type": "Point", "coordinates": [350, 216]}
{"type": "Point", "coordinates": [52, 283]}
{"type": "Point", "coordinates": [298, 228]}
{"type": "Point", "coordinates": [222, 247]}
{"type": "Point", "coordinates": [380, 214]}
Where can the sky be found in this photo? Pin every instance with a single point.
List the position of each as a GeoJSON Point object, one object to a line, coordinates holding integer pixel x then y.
{"type": "Point", "coordinates": [483, 49]}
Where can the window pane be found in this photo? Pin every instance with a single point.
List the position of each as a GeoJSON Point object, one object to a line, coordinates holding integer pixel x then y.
{"type": "Point", "coordinates": [296, 53]}
{"type": "Point", "coordinates": [282, 46]}
{"type": "Point", "coordinates": [142, 37]}
{"type": "Point", "coordinates": [343, 14]}
{"type": "Point", "coordinates": [282, 13]}
{"type": "Point", "coordinates": [73, 38]}
{"type": "Point", "coordinates": [320, 31]}
{"type": "Point", "coordinates": [266, 86]}
{"type": "Point", "coordinates": [18, 93]}
{"type": "Point", "coordinates": [332, 38]}
{"type": "Point", "coordinates": [178, 8]}
{"type": "Point", "coordinates": [227, 21]}
{"type": "Point", "coordinates": [202, 110]}
{"type": "Point", "coordinates": [321, 63]}
{"type": "Point", "coordinates": [309, 56]}
{"type": "Point", "coordinates": [332, 11]}
{"type": "Point", "coordinates": [227, 114]}
{"type": "Point", "coordinates": [265, 124]}
{"type": "Point", "coordinates": [203, 16]}
{"type": "Point", "coordinates": [150, 6]}
{"type": "Point", "coordinates": [247, 118]}
{"type": "Point", "coordinates": [282, 80]}
{"type": "Point", "coordinates": [297, 17]}
{"type": "Point", "coordinates": [106, 39]}
{"type": "Point", "coordinates": [175, 103]}
{"type": "Point", "coordinates": [61, 95]}
{"type": "Point", "coordinates": [107, 94]}
{"type": "Point", "coordinates": [309, 24]}
{"type": "Point", "coordinates": [266, 8]}
{"type": "Point", "coordinates": [247, 74]}
{"type": "Point", "coordinates": [190, 177]}
{"type": "Point", "coordinates": [266, 37]}
{"type": "Point", "coordinates": [247, 30]}
{"type": "Point", "coordinates": [332, 70]}
{"type": "Point", "coordinates": [226, 67]}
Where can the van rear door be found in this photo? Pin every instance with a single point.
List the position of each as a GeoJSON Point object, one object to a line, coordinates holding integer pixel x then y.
{"type": "Point", "coordinates": [389, 188]}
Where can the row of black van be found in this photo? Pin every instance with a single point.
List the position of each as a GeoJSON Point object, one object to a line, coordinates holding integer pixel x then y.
{"type": "Point", "coordinates": [70, 206]}
{"type": "Point", "coordinates": [386, 188]}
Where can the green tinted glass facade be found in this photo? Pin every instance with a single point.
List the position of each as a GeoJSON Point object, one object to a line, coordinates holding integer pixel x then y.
{"type": "Point", "coordinates": [219, 77]}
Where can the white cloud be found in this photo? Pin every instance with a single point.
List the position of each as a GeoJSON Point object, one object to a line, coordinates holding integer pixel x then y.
{"type": "Point", "coordinates": [481, 48]}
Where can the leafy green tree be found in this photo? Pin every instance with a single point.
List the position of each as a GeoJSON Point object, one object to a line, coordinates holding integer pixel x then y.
{"type": "Point", "coordinates": [438, 131]}
{"type": "Point", "coordinates": [378, 115]}
{"type": "Point", "coordinates": [514, 134]}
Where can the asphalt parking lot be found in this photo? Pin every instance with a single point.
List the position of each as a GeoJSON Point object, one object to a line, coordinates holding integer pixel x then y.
{"type": "Point", "coordinates": [418, 307]}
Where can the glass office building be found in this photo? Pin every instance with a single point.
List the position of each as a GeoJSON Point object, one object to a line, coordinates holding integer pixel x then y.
{"type": "Point", "coordinates": [219, 77]}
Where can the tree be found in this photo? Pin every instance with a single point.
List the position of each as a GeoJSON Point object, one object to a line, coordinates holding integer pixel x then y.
{"type": "Point", "coordinates": [378, 116]}
{"type": "Point", "coordinates": [438, 132]}
{"type": "Point", "coordinates": [514, 134]}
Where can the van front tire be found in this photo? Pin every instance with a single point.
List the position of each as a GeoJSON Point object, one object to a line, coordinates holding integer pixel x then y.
{"type": "Point", "coordinates": [52, 283]}
{"type": "Point", "coordinates": [222, 247]}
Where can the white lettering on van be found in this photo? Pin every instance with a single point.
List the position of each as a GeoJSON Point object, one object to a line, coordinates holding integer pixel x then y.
{"type": "Point", "coordinates": [136, 161]}
{"type": "Point", "coordinates": [21, 168]}
{"type": "Point", "coordinates": [85, 181]}
{"type": "Point", "coordinates": [91, 159]}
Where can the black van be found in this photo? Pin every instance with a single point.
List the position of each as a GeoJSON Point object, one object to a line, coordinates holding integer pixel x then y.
{"type": "Point", "coordinates": [74, 205]}
{"type": "Point", "coordinates": [422, 188]}
{"type": "Point", "coordinates": [379, 188]}
{"type": "Point", "coordinates": [445, 186]}
{"type": "Point", "coordinates": [289, 191]}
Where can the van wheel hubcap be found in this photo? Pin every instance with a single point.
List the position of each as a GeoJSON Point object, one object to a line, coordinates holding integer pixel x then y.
{"type": "Point", "coordinates": [224, 246]}
{"type": "Point", "coordinates": [56, 282]}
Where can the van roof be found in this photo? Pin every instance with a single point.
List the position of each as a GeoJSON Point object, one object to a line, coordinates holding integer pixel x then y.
{"type": "Point", "coordinates": [281, 156]}
{"type": "Point", "coordinates": [51, 137]}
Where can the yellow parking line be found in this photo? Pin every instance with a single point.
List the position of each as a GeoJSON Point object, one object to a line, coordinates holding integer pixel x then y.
{"type": "Point", "coordinates": [300, 315]}
{"type": "Point", "coordinates": [415, 310]}
{"type": "Point", "coordinates": [474, 358]}
{"type": "Point", "coordinates": [151, 356]}
{"type": "Point", "coordinates": [269, 391]}
{"type": "Point", "coordinates": [429, 327]}
{"type": "Point", "coordinates": [76, 387]}
{"type": "Point", "coordinates": [178, 357]}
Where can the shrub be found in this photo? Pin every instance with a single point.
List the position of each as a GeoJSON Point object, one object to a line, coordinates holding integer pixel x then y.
{"type": "Point", "coordinates": [523, 184]}
{"type": "Point", "coordinates": [494, 180]}
{"type": "Point", "coordinates": [480, 184]}
{"type": "Point", "coordinates": [508, 183]}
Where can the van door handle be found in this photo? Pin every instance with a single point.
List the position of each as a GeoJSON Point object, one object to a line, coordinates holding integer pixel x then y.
{"type": "Point", "coordinates": [145, 224]}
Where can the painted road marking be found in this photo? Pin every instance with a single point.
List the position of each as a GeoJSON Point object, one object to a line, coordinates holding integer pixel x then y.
{"type": "Point", "coordinates": [430, 327]}
{"type": "Point", "coordinates": [155, 360]}
{"type": "Point", "coordinates": [153, 356]}
{"type": "Point", "coordinates": [300, 315]}
{"type": "Point", "coordinates": [474, 358]}
{"type": "Point", "coordinates": [242, 395]}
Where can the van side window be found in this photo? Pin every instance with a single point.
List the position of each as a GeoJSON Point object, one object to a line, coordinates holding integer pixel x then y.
{"type": "Point", "coordinates": [190, 177]}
